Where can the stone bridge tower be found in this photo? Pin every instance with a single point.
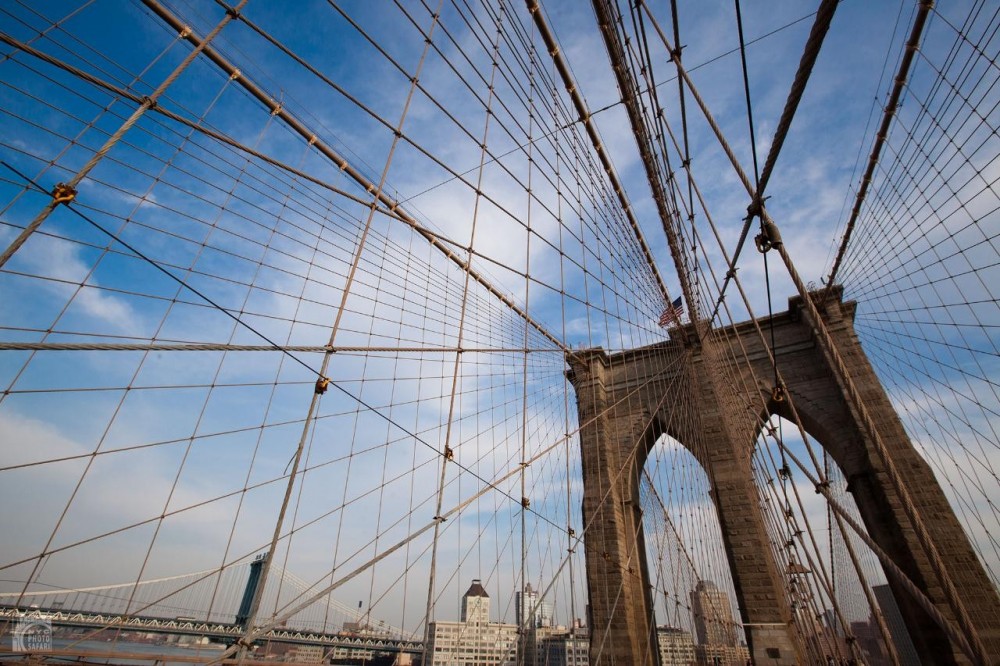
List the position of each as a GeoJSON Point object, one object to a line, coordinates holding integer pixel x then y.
{"type": "Point", "coordinates": [623, 402]}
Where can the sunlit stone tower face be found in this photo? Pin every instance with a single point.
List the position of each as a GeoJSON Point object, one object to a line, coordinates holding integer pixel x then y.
{"type": "Point", "coordinates": [622, 420]}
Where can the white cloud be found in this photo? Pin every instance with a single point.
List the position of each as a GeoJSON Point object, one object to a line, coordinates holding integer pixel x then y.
{"type": "Point", "coordinates": [60, 264]}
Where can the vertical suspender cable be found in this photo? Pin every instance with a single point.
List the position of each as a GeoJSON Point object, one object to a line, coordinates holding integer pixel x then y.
{"type": "Point", "coordinates": [912, 44]}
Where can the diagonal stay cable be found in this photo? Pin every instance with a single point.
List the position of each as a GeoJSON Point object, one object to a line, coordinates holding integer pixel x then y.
{"type": "Point", "coordinates": [300, 128]}
{"type": "Point", "coordinates": [615, 104]}
{"type": "Point", "coordinates": [608, 19]}
{"type": "Point", "coordinates": [882, 135]}
{"type": "Point", "coordinates": [275, 345]}
{"type": "Point", "coordinates": [586, 116]}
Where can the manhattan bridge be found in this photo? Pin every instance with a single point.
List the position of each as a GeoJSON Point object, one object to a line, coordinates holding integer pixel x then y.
{"type": "Point", "coordinates": [669, 324]}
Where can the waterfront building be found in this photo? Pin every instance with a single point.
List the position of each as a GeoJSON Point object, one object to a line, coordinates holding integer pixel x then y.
{"type": "Point", "coordinates": [473, 640]}
{"type": "Point", "coordinates": [676, 646]}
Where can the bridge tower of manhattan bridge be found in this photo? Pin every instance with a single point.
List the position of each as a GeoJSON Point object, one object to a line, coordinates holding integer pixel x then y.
{"type": "Point", "coordinates": [622, 414]}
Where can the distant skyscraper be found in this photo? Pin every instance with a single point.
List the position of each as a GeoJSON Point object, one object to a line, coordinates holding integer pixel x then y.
{"type": "Point", "coordinates": [831, 622]}
{"type": "Point", "coordinates": [529, 605]}
{"type": "Point", "coordinates": [713, 615]}
{"type": "Point", "coordinates": [897, 627]}
{"type": "Point", "coordinates": [869, 640]}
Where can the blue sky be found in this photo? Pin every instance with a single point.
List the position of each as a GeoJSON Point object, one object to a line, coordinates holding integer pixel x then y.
{"type": "Point", "coordinates": [275, 250]}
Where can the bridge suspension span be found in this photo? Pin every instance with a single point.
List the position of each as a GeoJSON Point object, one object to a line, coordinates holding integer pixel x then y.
{"type": "Point", "coordinates": [489, 331]}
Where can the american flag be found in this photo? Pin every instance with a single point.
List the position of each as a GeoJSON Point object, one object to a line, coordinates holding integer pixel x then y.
{"type": "Point", "coordinates": [673, 312]}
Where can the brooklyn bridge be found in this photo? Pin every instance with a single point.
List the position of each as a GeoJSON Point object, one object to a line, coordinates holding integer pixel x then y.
{"type": "Point", "coordinates": [482, 332]}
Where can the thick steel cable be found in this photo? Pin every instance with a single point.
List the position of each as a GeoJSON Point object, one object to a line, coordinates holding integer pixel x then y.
{"type": "Point", "coordinates": [938, 351]}
{"type": "Point", "coordinates": [218, 369]}
{"type": "Point", "coordinates": [341, 163]}
{"type": "Point", "coordinates": [760, 334]}
{"type": "Point", "coordinates": [971, 642]}
{"type": "Point", "coordinates": [607, 21]}
{"type": "Point", "coordinates": [814, 43]}
{"type": "Point", "coordinates": [488, 484]}
{"type": "Point", "coordinates": [810, 53]}
{"type": "Point", "coordinates": [584, 116]}
{"type": "Point", "coordinates": [831, 350]}
{"type": "Point", "coordinates": [286, 614]}
{"type": "Point", "coordinates": [455, 175]}
{"type": "Point", "coordinates": [60, 196]}
{"type": "Point", "coordinates": [812, 50]}
{"type": "Point", "coordinates": [66, 195]}
{"type": "Point", "coordinates": [899, 83]}
{"type": "Point", "coordinates": [429, 614]}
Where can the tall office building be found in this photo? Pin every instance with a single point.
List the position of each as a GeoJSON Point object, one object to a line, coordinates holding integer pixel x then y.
{"type": "Point", "coordinates": [897, 626]}
{"type": "Point", "coordinates": [713, 615]}
{"type": "Point", "coordinates": [527, 604]}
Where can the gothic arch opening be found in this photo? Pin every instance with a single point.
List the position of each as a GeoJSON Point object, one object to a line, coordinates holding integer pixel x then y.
{"type": "Point", "coordinates": [841, 600]}
{"type": "Point", "coordinates": [694, 601]}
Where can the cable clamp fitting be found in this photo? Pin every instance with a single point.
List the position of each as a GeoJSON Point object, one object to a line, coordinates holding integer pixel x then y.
{"type": "Point", "coordinates": [756, 207]}
{"type": "Point", "coordinates": [525, 502]}
{"type": "Point", "coordinates": [449, 453]}
{"type": "Point", "coordinates": [63, 193]}
{"type": "Point", "coordinates": [768, 237]}
{"type": "Point", "coordinates": [778, 393]}
{"type": "Point", "coordinates": [322, 384]}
